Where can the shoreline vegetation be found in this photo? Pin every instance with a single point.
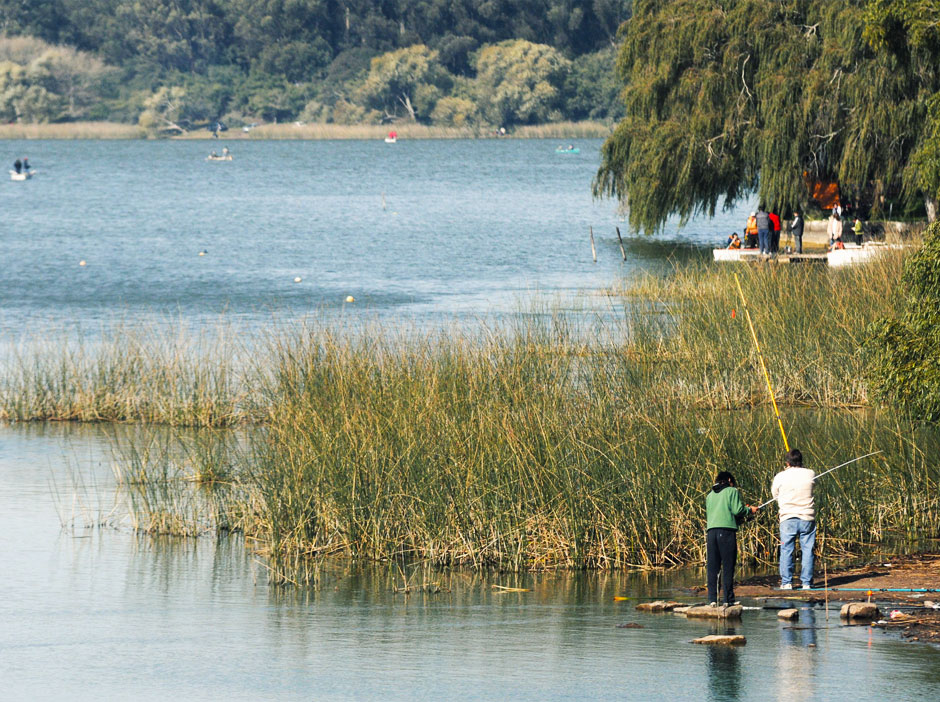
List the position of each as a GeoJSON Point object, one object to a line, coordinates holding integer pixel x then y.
{"type": "Point", "coordinates": [525, 448]}
{"type": "Point", "coordinates": [304, 131]}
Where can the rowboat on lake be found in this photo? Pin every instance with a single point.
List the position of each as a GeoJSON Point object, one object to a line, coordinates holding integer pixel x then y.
{"type": "Point", "coordinates": [22, 175]}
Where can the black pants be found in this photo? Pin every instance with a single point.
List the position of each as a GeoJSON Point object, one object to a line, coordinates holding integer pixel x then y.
{"type": "Point", "coordinates": [721, 551]}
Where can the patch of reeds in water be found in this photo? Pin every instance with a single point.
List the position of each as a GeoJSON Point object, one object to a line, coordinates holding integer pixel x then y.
{"type": "Point", "coordinates": [688, 341]}
{"type": "Point", "coordinates": [534, 447]}
{"type": "Point", "coordinates": [72, 130]}
{"type": "Point", "coordinates": [139, 375]}
{"type": "Point", "coordinates": [499, 459]}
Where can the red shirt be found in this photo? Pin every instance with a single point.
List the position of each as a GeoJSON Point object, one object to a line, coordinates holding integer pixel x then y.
{"type": "Point", "coordinates": [775, 221]}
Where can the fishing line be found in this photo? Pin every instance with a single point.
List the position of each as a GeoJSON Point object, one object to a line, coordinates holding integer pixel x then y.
{"type": "Point", "coordinates": [873, 453]}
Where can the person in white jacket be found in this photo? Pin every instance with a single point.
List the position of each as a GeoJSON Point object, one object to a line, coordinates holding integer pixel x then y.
{"type": "Point", "coordinates": [793, 489]}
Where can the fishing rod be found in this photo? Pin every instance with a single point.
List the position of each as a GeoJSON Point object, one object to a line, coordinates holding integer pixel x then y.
{"type": "Point", "coordinates": [873, 453]}
{"type": "Point", "coordinates": [760, 357]}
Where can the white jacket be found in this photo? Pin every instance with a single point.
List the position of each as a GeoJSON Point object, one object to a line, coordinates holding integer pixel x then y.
{"type": "Point", "coordinates": [793, 490]}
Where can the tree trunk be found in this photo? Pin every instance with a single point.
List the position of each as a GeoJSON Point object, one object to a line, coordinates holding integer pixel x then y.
{"type": "Point", "coordinates": [406, 101]}
{"type": "Point", "coordinates": [930, 203]}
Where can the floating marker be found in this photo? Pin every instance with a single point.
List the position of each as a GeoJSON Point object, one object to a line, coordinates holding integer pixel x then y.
{"type": "Point", "coordinates": [350, 298]}
{"type": "Point", "coordinates": [81, 263]}
{"type": "Point", "coordinates": [297, 279]}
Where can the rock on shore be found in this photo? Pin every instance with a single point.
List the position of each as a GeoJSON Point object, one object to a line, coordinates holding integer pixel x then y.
{"type": "Point", "coordinates": [860, 611]}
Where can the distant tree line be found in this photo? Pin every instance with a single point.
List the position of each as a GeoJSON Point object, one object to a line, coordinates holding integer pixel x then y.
{"type": "Point", "coordinates": [185, 62]}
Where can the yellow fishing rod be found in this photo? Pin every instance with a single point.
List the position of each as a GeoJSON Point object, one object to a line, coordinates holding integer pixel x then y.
{"type": "Point", "coordinates": [760, 357]}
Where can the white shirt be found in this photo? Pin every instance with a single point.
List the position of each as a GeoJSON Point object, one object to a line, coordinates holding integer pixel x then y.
{"type": "Point", "coordinates": [793, 490]}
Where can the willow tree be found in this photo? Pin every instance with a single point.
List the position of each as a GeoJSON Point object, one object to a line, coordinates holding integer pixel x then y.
{"type": "Point", "coordinates": [727, 97]}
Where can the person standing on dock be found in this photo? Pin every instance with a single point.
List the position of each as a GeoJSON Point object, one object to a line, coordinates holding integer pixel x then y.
{"type": "Point", "coordinates": [774, 232]}
{"type": "Point", "coordinates": [724, 510]}
{"type": "Point", "coordinates": [750, 232]}
{"type": "Point", "coordinates": [763, 230]}
{"type": "Point", "coordinates": [796, 229]}
{"type": "Point", "coordinates": [834, 229]}
{"type": "Point", "coordinates": [793, 489]}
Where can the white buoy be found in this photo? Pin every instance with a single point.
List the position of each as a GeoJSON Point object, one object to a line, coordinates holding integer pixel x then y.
{"type": "Point", "coordinates": [81, 263]}
{"type": "Point", "coordinates": [350, 298]}
{"type": "Point", "coordinates": [297, 279]}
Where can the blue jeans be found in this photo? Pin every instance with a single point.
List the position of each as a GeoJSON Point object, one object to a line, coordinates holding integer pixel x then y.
{"type": "Point", "coordinates": [789, 530]}
{"type": "Point", "coordinates": [763, 240]}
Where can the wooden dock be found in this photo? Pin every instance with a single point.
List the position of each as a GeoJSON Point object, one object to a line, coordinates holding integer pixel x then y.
{"type": "Point", "coordinates": [752, 256]}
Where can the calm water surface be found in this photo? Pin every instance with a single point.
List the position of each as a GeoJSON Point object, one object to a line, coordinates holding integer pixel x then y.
{"type": "Point", "coordinates": [420, 230]}
{"type": "Point", "coordinates": [103, 614]}
{"type": "Point", "coordinates": [468, 229]}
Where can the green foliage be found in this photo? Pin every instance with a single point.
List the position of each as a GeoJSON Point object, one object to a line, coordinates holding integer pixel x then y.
{"type": "Point", "coordinates": [591, 89]}
{"type": "Point", "coordinates": [409, 79]}
{"type": "Point", "coordinates": [518, 82]}
{"type": "Point", "coordinates": [267, 59]}
{"type": "Point", "coordinates": [904, 351]}
{"type": "Point", "coordinates": [722, 100]}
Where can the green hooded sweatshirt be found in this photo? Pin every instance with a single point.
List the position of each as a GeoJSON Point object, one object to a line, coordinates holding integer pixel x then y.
{"type": "Point", "coordinates": [723, 506]}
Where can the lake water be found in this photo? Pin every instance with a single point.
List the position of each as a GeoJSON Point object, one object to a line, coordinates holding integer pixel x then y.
{"type": "Point", "coordinates": [468, 230]}
{"type": "Point", "coordinates": [100, 613]}
{"type": "Point", "coordinates": [421, 230]}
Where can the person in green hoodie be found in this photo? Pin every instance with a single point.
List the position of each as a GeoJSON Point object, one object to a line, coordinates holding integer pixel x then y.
{"type": "Point", "coordinates": [724, 510]}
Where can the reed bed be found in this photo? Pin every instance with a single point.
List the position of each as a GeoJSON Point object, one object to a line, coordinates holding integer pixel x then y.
{"type": "Point", "coordinates": [72, 130]}
{"type": "Point", "coordinates": [128, 375]}
{"type": "Point", "coordinates": [528, 447]}
{"type": "Point", "coordinates": [688, 342]}
{"type": "Point", "coordinates": [311, 131]}
{"type": "Point", "coordinates": [497, 461]}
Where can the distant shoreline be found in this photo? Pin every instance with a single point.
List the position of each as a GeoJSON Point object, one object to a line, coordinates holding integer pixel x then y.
{"type": "Point", "coordinates": [114, 130]}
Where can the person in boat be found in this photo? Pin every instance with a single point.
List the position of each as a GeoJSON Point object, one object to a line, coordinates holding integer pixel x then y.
{"type": "Point", "coordinates": [225, 153]}
{"type": "Point", "coordinates": [734, 242]}
{"type": "Point", "coordinates": [796, 229]}
{"type": "Point", "coordinates": [213, 154]}
{"type": "Point", "coordinates": [793, 489]}
{"type": "Point", "coordinates": [750, 232]}
{"type": "Point", "coordinates": [25, 164]}
{"type": "Point", "coordinates": [724, 511]}
{"type": "Point", "coordinates": [18, 166]}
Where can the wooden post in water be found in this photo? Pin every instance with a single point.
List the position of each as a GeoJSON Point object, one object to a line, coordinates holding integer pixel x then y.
{"type": "Point", "coordinates": [620, 239]}
{"type": "Point", "coordinates": [593, 250]}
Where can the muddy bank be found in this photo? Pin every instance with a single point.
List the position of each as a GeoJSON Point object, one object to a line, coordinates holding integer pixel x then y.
{"type": "Point", "coordinates": [912, 615]}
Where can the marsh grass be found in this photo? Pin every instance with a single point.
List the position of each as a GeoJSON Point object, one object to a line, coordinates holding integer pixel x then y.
{"type": "Point", "coordinates": [685, 347]}
{"type": "Point", "coordinates": [311, 131]}
{"type": "Point", "coordinates": [495, 459]}
{"type": "Point", "coordinates": [72, 130]}
{"type": "Point", "coordinates": [517, 448]}
{"type": "Point", "coordinates": [139, 375]}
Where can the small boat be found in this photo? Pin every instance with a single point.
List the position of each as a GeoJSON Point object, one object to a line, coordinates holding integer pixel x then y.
{"type": "Point", "coordinates": [23, 175]}
{"type": "Point", "coordinates": [567, 150]}
{"type": "Point", "coordinates": [213, 157]}
{"type": "Point", "coordinates": [392, 138]}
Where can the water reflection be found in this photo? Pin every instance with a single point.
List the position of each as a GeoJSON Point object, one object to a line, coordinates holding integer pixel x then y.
{"type": "Point", "coordinates": [796, 659]}
{"type": "Point", "coordinates": [724, 674]}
